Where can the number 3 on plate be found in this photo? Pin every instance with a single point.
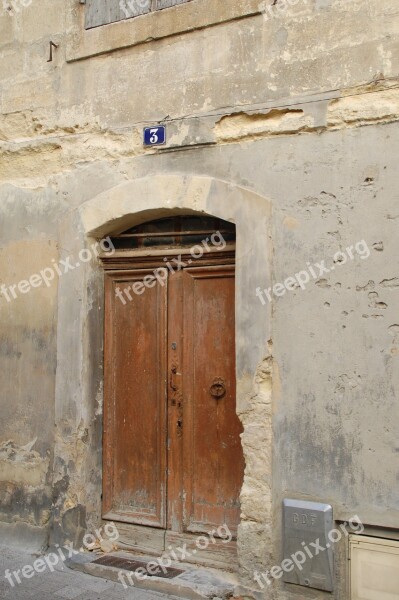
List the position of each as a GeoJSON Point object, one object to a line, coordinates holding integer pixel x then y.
{"type": "Point", "coordinates": [155, 136]}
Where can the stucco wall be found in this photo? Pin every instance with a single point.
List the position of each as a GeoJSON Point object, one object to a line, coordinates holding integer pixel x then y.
{"type": "Point", "coordinates": [28, 228]}
{"type": "Point", "coordinates": [300, 107]}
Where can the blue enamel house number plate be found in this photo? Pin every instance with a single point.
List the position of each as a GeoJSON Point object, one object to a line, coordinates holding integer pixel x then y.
{"type": "Point", "coordinates": [155, 136]}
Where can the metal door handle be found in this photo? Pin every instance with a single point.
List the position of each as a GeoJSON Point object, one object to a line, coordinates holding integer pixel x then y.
{"type": "Point", "coordinates": [218, 388]}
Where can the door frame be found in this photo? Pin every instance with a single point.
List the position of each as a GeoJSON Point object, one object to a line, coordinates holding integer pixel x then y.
{"type": "Point", "coordinates": [79, 375]}
{"type": "Point", "coordinates": [122, 264]}
{"type": "Point", "coordinates": [125, 266]}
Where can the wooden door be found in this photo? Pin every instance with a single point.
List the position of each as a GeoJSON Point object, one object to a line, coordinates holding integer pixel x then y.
{"type": "Point", "coordinates": [173, 456]}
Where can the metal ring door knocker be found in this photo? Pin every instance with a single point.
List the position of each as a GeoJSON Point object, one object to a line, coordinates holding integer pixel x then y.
{"type": "Point", "coordinates": [218, 388]}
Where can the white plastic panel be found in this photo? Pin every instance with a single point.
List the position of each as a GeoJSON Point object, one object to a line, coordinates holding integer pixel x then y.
{"type": "Point", "coordinates": [374, 568]}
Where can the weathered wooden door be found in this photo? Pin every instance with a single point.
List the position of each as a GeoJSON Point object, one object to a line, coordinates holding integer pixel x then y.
{"type": "Point", "coordinates": [172, 449]}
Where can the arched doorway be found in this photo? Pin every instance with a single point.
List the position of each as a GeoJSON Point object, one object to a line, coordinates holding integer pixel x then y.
{"type": "Point", "coordinates": [79, 385]}
{"type": "Point", "coordinates": [173, 458]}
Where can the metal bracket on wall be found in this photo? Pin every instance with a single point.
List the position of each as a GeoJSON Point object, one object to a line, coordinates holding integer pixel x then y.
{"type": "Point", "coordinates": [52, 45]}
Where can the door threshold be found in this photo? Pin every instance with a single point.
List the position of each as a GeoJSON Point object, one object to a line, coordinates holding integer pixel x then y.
{"type": "Point", "coordinates": [177, 579]}
{"type": "Point", "coordinates": [220, 554]}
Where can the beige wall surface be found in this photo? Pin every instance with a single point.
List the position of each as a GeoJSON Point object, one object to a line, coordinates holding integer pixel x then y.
{"type": "Point", "coordinates": [284, 120]}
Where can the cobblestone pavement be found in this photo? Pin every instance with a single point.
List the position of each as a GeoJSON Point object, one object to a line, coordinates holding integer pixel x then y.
{"type": "Point", "coordinates": [62, 584]}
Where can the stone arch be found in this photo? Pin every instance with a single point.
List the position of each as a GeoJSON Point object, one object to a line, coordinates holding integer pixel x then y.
{"type": "Point", "coordinates": [150, 198]}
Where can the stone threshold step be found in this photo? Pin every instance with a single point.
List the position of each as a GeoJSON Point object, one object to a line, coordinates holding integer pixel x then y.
{"type": "Point", "coordinates": [193, 583]}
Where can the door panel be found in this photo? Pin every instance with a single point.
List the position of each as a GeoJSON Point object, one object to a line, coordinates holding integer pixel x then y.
{"type": "Point", "coordinates": [213, 458]}
{"type": "Point", "coordinates": [135, 403]}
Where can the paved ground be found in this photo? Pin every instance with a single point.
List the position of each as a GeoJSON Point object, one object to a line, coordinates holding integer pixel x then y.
{"type": "Point", "coordinates": [61, 584]}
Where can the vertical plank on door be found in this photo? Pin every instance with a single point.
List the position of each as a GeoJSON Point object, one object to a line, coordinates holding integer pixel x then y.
{"type": "Point", "coordinates": [175, 401]}
{"type": "Point", "coordinates": [134, 466]}
{"type": "Point", "coordinates": [213, 457]}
